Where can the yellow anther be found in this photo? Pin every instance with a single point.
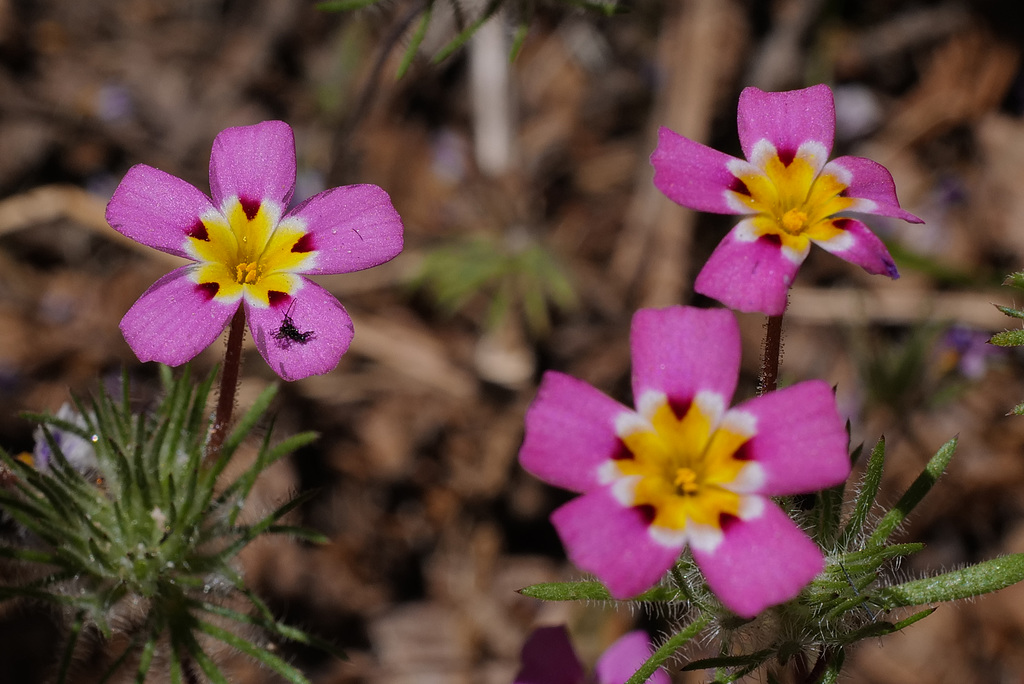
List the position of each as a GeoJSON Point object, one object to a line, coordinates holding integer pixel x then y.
{"type": "Point", "coordinates": [686, 480]}
{"type": "Point", "coordinates": [247, 274]}
{"type": "Point", "coordinates": [794, 221]}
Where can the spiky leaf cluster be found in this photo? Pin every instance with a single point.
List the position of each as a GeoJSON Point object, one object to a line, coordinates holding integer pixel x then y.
{"type": "Point", "coordinates": [847, 602]}
{"type": "Point", "coordinates": [516, 275]}
{"type": "Point", "coordinates": [468, 19]}
{"type": "Point", "coordinates": [142, 540]}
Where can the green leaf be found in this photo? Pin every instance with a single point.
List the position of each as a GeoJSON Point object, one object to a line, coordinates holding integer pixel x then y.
{"type": "Point", "coordinates": [416, 40]}
{"type": "Point", "coordinates": [757, 659]}
{"type": "Point", "coordinates": [668, 649]}
{"type": "Point", "coordinates": [458, 41]}
{"type": "Point", "coordinates": [343, 5]}
{"type": "Point", "coordinates": [866, 498]}
{"type": "Point", "coordinates": [1015, 280]}
{"type": "Point", "coordinates": [255, 652]}
{"type": "Point", "coordinates": [1008, 338]}
{"type": "Point", "coordinates": [69, 647]}
{"type": "Point", "coordinates": [593, 591]}
{"type": "Point", "coordinates": [1013, 313]}
{"type": "Point", "coordinates": [917, 490]}
{"type": "Point", "coordinates": [247, 423]}
{"type": "Point", "coordinates": [973, 580]}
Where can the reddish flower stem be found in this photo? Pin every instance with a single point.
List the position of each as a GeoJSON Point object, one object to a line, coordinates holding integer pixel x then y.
{"type": "Point", "coordinates": [769, 380]}
{"type": "Point", "coordinates": [228, 385]}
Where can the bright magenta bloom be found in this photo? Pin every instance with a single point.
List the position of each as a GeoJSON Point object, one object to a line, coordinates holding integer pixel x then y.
{"type": "Point", "coordinates": [684, 469]}
{"type": "Point", "coordinates": [548, 658]}
{"type": "Point", "coordinates": [788, 191]}
{"type": "Point", "coordinates": [247, 251]}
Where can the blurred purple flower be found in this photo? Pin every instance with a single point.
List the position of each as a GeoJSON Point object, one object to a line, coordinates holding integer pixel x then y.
{"type": "Point", "coordinates": [967, 350]}
{"type": "Point", "coordinates": [548, 658]}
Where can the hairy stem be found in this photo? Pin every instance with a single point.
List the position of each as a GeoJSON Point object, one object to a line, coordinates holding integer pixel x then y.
{"type": "Point", "coordinates": [769, 380]}
{"type": "Point", "coordinates": [228, 385]}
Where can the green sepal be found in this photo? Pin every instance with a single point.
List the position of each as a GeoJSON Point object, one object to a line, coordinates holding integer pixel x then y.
{"type": "Point", "coordinates": [982, 578]}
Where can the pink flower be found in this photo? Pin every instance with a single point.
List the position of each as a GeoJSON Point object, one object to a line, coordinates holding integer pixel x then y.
{"type": "Point", "coordinates": [548, 658]}
{"type": "Point", "coordinates": [789, 195]}
{"type": "Point", "coordinates": [684, 469]}
{"type": "Point", "coordinates": [246, 250]}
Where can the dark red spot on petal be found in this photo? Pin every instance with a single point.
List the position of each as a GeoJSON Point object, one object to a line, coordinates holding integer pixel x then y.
{"type": "Point", "coordinates": [727, 520]}
{"type": "Point", "coordinates": [622, 452]}
{"type": "Point", "coordinates": [198, 231]}
{"type": "Point", "coordinates": [743, 453]}
{"type": "Point", "coordinates": [736, 185]}
{"type": "Point", "coordinates": [646, 513]}
{"type": "Point", "coordinates": [250, 206]}
{"type": "Point", "coordinates": [208, 290]}
{"type": "Point", "coordinates": [773, 239]}
{"type": "Point", "coordinates": [679, 406]}
{"type": "Point", "coordinates": [787, 156]}
{"type": "Point", "coordinates": [841, 223]}
{"type": "Point", "coordinates": [304, 244]}
{"type": "Point", "coordinates": [277, 298]}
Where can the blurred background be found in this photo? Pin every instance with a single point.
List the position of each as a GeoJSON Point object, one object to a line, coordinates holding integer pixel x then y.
{"type": "Point", "coordinates": [532, 233]}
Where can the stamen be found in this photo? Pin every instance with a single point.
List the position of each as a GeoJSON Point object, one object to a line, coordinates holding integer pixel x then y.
{"type": "Point", "coordinates": [686, 481]}
{"type": "Point", "coordinates": [247, 274]}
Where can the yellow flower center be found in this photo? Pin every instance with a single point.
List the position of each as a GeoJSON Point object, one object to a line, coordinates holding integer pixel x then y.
{"type": "Point", "coordinates": [686, 466]}
{"type": "Point", "coordinates": [246, 249]}
{"type": "Point", "coordinates": [792, 200]}
{"type": "Point", "coordinates": [794, 221]}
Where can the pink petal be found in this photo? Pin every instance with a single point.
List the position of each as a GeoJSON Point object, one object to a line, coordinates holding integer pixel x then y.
{"type": "Point", "coordinates": [748, 274]}
{"type": "Point", "coordinates": [570, 433]}
{"type": "Point", "coordinates": [871, 181]}
{"type": "Point", "coordinates": [548, 658]}
{"type": "Point", "coordinates": [351, 228]}
{"type": "Point", "coordinates": [692, 174]}
{"type": "Point", "coordinates": [761, 562]}
{"type": "Point", "coordinates": [801, 439]}
{"type": "Point", "coordinates": [611, 541]}
{"type": "Point", "coordinates": [174, 319]}
{"type": "Point", "coordinates": [858, 245]}
{"type": "Point", "coordinates": [157, 209]}
{"type": "Point", "coordinates": [320, 332]}
{"type": "Point", "coordinates": [681, 351]}
{"type": "Point", "coordinates": [623, 658]}
{"type": "Point", "coordinates": [254, 163]}
{"type": "Point", "coordinates": [787, 119]}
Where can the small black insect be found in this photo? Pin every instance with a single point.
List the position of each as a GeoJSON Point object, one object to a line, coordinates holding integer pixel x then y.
{"type": "Point", "coordinates": [288, 333]}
